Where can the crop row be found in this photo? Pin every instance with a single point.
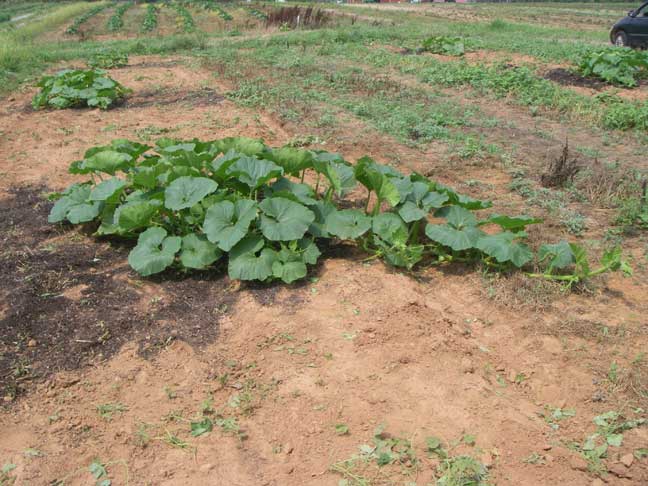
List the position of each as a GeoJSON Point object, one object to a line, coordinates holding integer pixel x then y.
{"type": "Point", "coordinates": [222, 13]}
{"type": "Point", "coordinates": [184, 17]}
{"type": "Point", "coordinates": [520, 85]}
{"type": "Point", "coordinates": [82, 19]}
{"type": "Point", "coordinates": [116, 20]}
{"type": "Point", "coordinates": [191, 204]}
{"type": "Point", "coordinates": [211, 5]}
{"type": "Point", "coordinates": [150, 19]}
{"type": "Point", "coordinates": [258, 14]}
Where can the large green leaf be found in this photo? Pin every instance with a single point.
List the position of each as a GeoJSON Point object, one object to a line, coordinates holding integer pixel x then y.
{"type": "Point", "coordinates": [410, 212]}
{"type": "Point", "coordinates": [198, 252]}
{"type": "Point", "coordinates": [456, 239]}
{"type": "Point", "coordinates": [457, 217]}
{"type": "Point", "coordinates": [404, 186]}
{"type": "Point", "coordinates": [134, 149]}
{"type": "Point", "coordinates": [254, 172]}
{"type": "Point", "coordinates": [186, 154]}
{"type": "Point", "coordinates": [558, 255]}
{"type": "Point", "coordinates": [220, 165]}
{"type": "Point", "coordinates": [292, 259]}
{"type": "Point", "coordinates": [291, 159]}
{"type": "Point", "coordinates": [148, 176]}
{"type": "Point", "coordinates": [83, 213]}
{"type": "Point", "coordinates": [246, 263]}
{"type": "Point", "coordinates": [76, 196]}
{"type": "Point", "coordinates": [420, 201]}
{"type": "Point", "coordinates": [135, 214]}
{"type": "Point", "coordinates": [289, 272]}
{"type": "Point", "coordinates": [514, 224]}
{"type": "Point", "coordinates": [322, 210]}
{"type": "Point", "coordinates": [108, 190]}
{"type": "Point", "coordinates": [108, 161]}
{"type": "Point", "coordinates": [284, 220]}
{"type": "Point", "coordinates": [184, 192]}
{"type": "Point", "coordinates": [390, 228]}
{"type": "Point", "coordinates": [337, 171]}
{"type": "Point", "coordinates": [244, 145]}
{"type": "Point", "coordinates": [227, 223]}
{"type": "Point", "coordinates": [504, 249]}
{"type": "Point", "coordinates": [252, 267]}
{"type": "Point", "coordinates": [347, 224]}
{"type": "Point", "coordinates": [155, 251]}
{"type": "Point", "coordinates": [302, 193]}
{"type": "Point", "coordinates": [368, 173]}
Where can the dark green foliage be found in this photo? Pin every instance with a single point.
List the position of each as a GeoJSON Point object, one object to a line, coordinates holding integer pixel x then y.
{"type": "Point", "coordinates": [150, 19]}
{"type": "Point", "coordinates": [615, 65]}
{"type": "Point", "coordinates": [191, 204]}
{"type": "Point", "coordinates": [76, 88]}
{"type": "Point", "coordinates": [439, 44]}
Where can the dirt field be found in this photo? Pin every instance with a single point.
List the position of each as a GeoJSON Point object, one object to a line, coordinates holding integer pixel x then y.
{"type": "Point", "coordinates": [103, 372]}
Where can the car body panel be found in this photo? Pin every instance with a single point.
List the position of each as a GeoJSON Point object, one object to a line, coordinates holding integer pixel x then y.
{"type": "Point", "coordinates": [634, 25]}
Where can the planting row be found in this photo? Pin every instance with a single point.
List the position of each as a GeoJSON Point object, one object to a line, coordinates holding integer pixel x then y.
{"type": "Point", "coordinates": [193, 204]}
{"type": "Point", "coordinates": [116, 21]}
{"type": "Point", "coordinates": [82, 19]}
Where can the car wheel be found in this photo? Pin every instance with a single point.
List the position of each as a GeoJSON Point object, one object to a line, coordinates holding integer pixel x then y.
{"type": "Point", "coordinates": [621, 39]}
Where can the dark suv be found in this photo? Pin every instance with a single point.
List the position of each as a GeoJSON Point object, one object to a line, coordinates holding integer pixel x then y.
{"type": "Point", "coordinates": [632, 31]}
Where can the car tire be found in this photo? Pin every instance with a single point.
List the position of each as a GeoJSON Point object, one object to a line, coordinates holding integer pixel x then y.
{"type": "Point", "coordinates": [621, 39]}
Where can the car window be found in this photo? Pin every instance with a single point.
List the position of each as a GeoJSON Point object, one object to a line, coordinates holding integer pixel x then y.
{"type": "Point", "coordinates": [643, 12]}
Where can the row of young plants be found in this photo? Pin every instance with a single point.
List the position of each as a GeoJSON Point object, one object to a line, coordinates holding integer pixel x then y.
{"type": "Point", "coordinates": [73, 29]}
{"type": "Point", "coordinates": [210, 5]}
{"type": "Point", "coordinates": [72, 88]}
{"type": "Point", "coordinates": [523, 86]}
{"type": "Point", "coordinates": [150, 21]}
{"type": "Point", "coordinates": [116, 20]}
{"type": "Point", "coordinates": [192, 204]}
{"type": "Point", "coordinates": [185, 20]}
{"type": "Point", "coordinates": [620, 66]}
{"type": "Point", "coordinates": [257, 13]}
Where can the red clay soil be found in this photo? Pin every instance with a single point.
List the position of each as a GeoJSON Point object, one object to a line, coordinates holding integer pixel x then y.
{"type": "Point", "coordinates": [98, 364]}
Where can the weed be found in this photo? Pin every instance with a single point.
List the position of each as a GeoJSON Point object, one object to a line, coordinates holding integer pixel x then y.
{"type": "Point", "coordinates": [107, 410]}
{"type": "Point", "coordinates": [108, 59]}
{"type": "Point", "coordinates": [535, 459]}
{"type": "Point", "coordinates": [609, 433]}
{"type": "Point", "coordinates": [562, 170]}
{"type": "Point", "coordinates": [371, 461]}
{"type": "Point", "coordinates": [6, 478]}
{"type": "Point", "coordinates": [462, 471]}
{"type": "Point", "coordinates": [341, 429]}
{"type": "Point", "coordinates": [142, 434]}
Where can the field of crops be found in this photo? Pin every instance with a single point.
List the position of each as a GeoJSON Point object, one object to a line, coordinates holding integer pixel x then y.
{"type": "Point", "coordinates": [322, 244]}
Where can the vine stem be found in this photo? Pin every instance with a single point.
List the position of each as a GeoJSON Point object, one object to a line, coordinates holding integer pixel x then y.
{"type": "Point", "coordinates": [368, 199]}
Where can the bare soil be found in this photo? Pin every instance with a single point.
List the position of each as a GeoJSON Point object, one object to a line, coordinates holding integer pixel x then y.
{"type": "Point", "coordinates": [108, 366]}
